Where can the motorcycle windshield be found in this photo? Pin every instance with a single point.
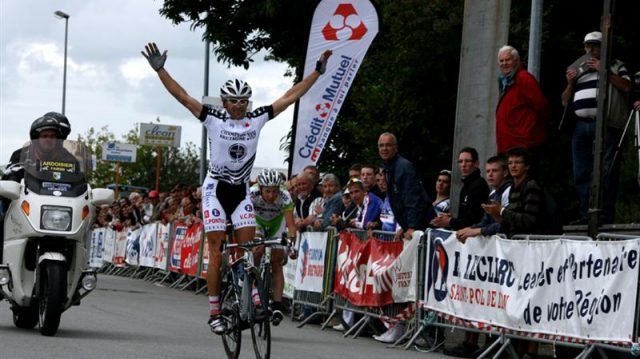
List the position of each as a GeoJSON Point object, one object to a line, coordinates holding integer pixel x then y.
{"type": "Point", "coordinates": [56, 167]}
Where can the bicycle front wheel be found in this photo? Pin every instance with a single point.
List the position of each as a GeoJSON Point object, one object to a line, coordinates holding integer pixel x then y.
{"type": "Point", "coordinates": [232, 337]}
{"type": "Point", "coordinates": [261, 337]}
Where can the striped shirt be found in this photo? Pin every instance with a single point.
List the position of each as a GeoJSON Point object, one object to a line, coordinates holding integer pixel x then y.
{"type": "Point", "coordinates": [585, 99]}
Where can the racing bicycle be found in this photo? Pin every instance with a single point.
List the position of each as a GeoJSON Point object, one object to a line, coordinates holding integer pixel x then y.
{"type": "Point", "coordinates": [239, 276]}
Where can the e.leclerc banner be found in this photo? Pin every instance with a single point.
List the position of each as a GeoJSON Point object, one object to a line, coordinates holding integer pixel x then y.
{"type": "Point", "coordinates": [578, 289]}
{"type": "Point", "coordinates": [347, 27]}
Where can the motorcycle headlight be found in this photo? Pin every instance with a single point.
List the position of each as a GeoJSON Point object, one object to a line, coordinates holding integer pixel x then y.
{"type": "Point", "coordinates": [54, 218]}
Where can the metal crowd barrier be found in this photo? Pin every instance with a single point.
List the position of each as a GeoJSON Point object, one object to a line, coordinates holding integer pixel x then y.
{"type": "Point", "coordinates": [504, 345]}
{"type": "Point", "coordinates": [321, 302]}
{"type": "Point", "coordinates": [369, 314]}
{"type": "Point", "coordinates": [328, 303]}
{"type": "Point", "coordinates": [159, 275]}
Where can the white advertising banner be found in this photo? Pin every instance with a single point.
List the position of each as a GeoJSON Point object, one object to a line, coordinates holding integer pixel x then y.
{"type": "Point", "coordinates": [133, 247]}
{"type": "Point", "coordinates": [123, 152]}
{"type": "Point", "coordinates": [109, 245]}
{"type": "Point", "coordinates": [148, 245]}
{"type": "Point", "coordinates": [289, 271]}
{"type": "Point", "coordinates": [155, 134]}
{"type": "Point", "coordinates": [403, 273]}
{"type": "Point", "coordinates": [347, 27]}
{"type": "Point", "coordinates": [97, 247]}
{"type": "Point", "coordinates": [310, 264]}
{"type": "Point", "coordinates": [578, 289]}
{"type": "Point", "coordinates": [162, 245]}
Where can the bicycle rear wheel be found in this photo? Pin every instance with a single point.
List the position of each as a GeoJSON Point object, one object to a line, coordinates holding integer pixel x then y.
{"type": "Point", "coordinates": [232, 337]}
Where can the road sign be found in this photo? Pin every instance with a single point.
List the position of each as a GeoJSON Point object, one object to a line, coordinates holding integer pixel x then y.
{"type": "Point", "coordinates": [122, 152]}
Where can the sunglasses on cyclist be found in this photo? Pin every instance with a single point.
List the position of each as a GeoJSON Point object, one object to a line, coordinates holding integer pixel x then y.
{"type": "Point", "coordinates": [235, 101]}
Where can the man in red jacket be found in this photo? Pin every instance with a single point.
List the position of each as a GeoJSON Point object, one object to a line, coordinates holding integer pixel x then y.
{"type": "Point", "coordinates": [522, 112]}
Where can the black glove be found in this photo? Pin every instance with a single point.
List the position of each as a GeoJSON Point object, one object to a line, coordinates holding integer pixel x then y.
{"type": "Point", "coordinates": [156, 60]}
{"type": "Point", "coordinates": [321, 64]}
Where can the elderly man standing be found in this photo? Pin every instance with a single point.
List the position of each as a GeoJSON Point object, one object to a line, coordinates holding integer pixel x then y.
{"type": "Point", "coordinates": [522, 112]}
{"type": "Point", "coordinates": [581, 94]}
{"type": "Point", "coordinates": [409, 201]}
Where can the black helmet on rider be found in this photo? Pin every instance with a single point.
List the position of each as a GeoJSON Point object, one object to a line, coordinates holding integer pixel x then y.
{"type": "Point", "coordinates": [65, 126]}
{"type": "Point", "coordinates": [235, 89]}
{"type": "Point", "coordinates": [45, 123]}
{"type": "Point", "coordinates": [269, 178]}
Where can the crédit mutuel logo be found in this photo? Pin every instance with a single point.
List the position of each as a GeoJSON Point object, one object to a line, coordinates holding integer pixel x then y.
{"type": "Point", "coordinates": [345, 24]}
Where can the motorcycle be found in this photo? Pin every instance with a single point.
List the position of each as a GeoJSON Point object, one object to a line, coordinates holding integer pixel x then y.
{"type": "Point", "coordinates": [45, 270]}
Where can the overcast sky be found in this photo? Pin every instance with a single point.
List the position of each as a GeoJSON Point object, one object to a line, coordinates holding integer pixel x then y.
{"type": "Point", "coordinates": [109, 83]}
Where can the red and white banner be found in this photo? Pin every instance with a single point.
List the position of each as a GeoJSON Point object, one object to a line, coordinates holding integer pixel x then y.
{"type": "Point", "coordinates": [347, 27]}
{"type": "Point", "coordinates": [579, 289]}
{"type": "Point", "coordinates": [376, 273]}
{"type": "Point", "coordinates": [310, 264]}
{"type": "Point", "coordinates": [162, 245]}
{"type": "Point", "coordinates": [190, 251]}
{"type": "Point", "coordinates": [148, 245]}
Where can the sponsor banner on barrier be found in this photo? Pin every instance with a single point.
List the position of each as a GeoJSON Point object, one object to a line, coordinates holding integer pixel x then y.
{"type": "Point", "coordinates": [310, 263]}
{"type": "Point", "coordinates": [579, 289]}
{"type": "Point", "coordinates": [179, 231]}
{"type": "Point", "coordinates": [204, 259]}
{"type": "Point", "coordinates": [362, 270]}
{"type": "Point", "coordinates": [120, 248]}
{"type": "Point", "coordinates": [133, 247]}
{"type": "Point", "coordinates": [289, 271]}
{"type": "Point", "coordinates": [162, 245]}
{"type": "Point", "coordinates": [190, 250]}
{"type": "Point", "coordinates": [402, 273]}
{"type": "Point", "coordinates": [97, 247]}
{"type": "Point", "coordinates": [109, 245]}
{"type": "Point", "coordinates": [148, 244]}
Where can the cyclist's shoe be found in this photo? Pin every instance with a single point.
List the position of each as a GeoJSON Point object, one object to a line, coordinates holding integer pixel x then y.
{"type": "Point", "coordinates": [217, 324]}
{"type": "Point", "coordinates": [276, 317]}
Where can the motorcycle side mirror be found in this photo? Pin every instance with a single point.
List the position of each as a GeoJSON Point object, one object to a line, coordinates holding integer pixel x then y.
{"type": "Point", "coordinates": [10, 190]}
{"type": "Point", "coordinates": [101, 196]}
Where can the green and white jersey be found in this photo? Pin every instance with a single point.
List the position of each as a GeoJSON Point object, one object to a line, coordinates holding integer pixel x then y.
{"type": "Point", "coordinates": [270, 216]}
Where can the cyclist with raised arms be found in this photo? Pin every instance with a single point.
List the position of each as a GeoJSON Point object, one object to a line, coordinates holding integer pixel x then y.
{"type": "Point", "coordinates": [273, 207]}
{"type": "Point", "coordinates": [233, 139]}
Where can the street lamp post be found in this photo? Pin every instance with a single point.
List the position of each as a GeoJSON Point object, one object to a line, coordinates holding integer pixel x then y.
{"type": "Point", "coordinates": [61, 15]}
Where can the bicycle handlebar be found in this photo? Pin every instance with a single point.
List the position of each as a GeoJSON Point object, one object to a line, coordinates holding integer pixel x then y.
{"type": "Point", "coordinates": [259, 242]}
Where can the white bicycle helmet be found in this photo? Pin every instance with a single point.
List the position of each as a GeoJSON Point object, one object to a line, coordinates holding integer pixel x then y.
{"type": "Point", "coordinates": [235, 88]}
{"type": "Point", "coordinates": [269, 178]}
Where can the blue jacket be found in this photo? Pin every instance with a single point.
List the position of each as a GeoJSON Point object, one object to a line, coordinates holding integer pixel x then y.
{"type": "Point", "coordinates": [409, 201]}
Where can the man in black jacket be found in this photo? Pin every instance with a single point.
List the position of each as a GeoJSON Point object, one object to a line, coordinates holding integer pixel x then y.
{"type": "Point", "coordinates": [409, 201]}
{"type": "Point", "coordinates": [474, 193]}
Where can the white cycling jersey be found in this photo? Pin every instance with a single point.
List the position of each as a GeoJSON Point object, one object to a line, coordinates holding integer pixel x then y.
{"type": "Point", "coordinates": [233, 143]}
{"type": "Point", "coordinates": [270, 216]}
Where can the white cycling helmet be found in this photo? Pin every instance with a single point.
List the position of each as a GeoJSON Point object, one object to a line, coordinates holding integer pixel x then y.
{"type": "Point", "coordinates": [269, 178]}
{"type": "Point", "coordinates": [235, 88]}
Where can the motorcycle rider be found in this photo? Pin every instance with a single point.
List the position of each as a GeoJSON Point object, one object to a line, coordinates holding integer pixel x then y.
{"type": "Point", "coordinates": [48, 128]}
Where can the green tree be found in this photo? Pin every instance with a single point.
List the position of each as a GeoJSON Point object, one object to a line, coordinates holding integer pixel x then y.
{"type": "Point", "coordinates": [408, 81]}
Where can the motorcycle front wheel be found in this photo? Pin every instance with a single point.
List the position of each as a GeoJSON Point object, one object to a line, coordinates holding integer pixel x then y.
{"type": "Point", "coordinates": [54, 284]}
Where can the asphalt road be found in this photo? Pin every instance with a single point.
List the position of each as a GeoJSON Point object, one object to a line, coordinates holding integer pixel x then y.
{"type": "Point", "coordinates": [126, 318]}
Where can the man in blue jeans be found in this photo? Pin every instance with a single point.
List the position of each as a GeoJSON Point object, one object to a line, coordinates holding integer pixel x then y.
{"type": "Point", "coordinates": [581, 94]}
